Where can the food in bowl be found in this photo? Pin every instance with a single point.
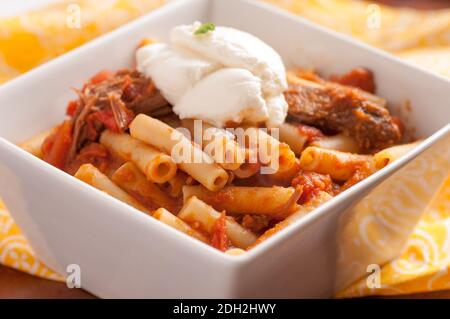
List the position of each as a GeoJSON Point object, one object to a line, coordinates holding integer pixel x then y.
{"type": "Point", "coordinates": [211, 135]}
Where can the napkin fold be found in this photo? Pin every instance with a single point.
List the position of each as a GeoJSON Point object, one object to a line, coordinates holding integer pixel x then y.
{"type": "Point", "coordinates": [420, 37]}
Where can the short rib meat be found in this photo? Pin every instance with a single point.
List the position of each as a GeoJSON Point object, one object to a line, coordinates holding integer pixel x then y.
{"type": "Point", "coordinates": [335, 108]}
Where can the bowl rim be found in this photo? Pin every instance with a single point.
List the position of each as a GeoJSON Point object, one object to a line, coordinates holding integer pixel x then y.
{"type": "Point", "coordinates": [278, 238]}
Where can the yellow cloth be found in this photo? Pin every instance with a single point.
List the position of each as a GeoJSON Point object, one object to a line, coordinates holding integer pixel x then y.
{"type": "Point", "coordinates": [419, 37]}
{"type": "Point", "coordinates": [39, 36]}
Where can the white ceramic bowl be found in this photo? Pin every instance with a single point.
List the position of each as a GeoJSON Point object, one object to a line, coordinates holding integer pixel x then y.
{"type": "Point", "coordinates": [124, 253]}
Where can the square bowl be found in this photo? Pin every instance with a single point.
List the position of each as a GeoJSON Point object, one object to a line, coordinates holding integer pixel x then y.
{"type": "Point", "coordinates": [124, 253]}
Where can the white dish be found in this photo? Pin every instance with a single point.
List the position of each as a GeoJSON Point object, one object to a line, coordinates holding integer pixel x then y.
{"type": "Point", "coordinates": [123, 253]}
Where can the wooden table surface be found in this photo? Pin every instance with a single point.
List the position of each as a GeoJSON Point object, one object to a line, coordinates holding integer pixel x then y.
{"type": "Point", "coordinates": [15, 284]}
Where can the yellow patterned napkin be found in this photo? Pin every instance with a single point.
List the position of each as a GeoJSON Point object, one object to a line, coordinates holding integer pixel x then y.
{"type": "Point", "coordinates": [15, 250]}
{"type": "Point", "coordinates": [425, 262]}
{"type": "Point", "coordinates": [419, 37]}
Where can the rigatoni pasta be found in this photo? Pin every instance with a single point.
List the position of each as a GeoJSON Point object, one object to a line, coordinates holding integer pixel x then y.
{"type": "Point", "coordinates": [219, 144]}
{"type": "Point", "coordinates": [271, 201]}
{"type": "Point", "coordinates": [391, 154]}
{"type": "Point", "coordinates": [191, 159]}
{"type": "Point", "coordinates": [157, 166]}
{"type": "Point", "coordinates": [198, 212]}
{"type": "Point", "coordinates": [130, 179]}
{"type": "Point", "coordinates": [34, 144]}
{"type": "Point", "coordinates": [271, 153]}
{"type": "Point", "coordinates": [338, 142]}
{"type": "Point", "coordinates": [170, 219]}
{"type": "Point", "coordinates": [291, 135]}
{"type": "Point", "coordinates": [174, 186]}
{"type": "Point", "coordinates": [339, 165]}
{"type": "Point", "coordinates": [247, 169]}
{"type": "Point", "coordinates": [318, 200]}
{"type": "Point", "coordinates": [92, 176]}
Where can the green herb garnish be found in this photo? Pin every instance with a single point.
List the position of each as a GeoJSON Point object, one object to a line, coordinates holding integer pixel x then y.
{"type": "Point", "coordinates": [205, 28]}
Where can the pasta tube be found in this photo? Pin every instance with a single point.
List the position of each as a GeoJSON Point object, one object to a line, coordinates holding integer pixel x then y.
{"type": "Point", "coordinates": [189, 157]}
{"type": "Point", "coordinates": [218, 143]}
{"type": "Point", "coordinates": [339, 142]}
{"type": "Point", "coordinates": [391, 154]}
{"type": "Point", "coordinates": [130, 179]}
{"type": "Point", "coordinates": [157, 166]}
{"type": "Point", "coordinates": [291, 135]}
{"type": "Point", "coordinates": [244, 200]}
{"type": "Point", "coordinates": [34, 144]}
{"type": "Point", "coordinates": [92, 176]}
{"type": "Point", "coordinates": [339, 165]}
{"type": "Point", "coordinates": [247, 169]}
{"type": "Point", "coordinates": [170, 219]}
{"type": "Point", "coordinates": [270, 151]}
{"type": "Point", "coordinates": [250, 167]}
{"type": "Point", "coordinates": [174, 186]}
{"type": "Point", "coordinates": [318, 200]}
{"type": "Point", "coordinates": [197, 212]}
{"type": "Point", "coordinates": [285, 178]}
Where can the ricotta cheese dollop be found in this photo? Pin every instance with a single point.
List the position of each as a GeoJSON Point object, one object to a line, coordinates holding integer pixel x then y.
{"type": "Point", "coordinates": [222, 76]}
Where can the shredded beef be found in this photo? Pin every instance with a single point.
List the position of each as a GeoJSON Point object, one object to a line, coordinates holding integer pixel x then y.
{"type": "Point", "coordinates": [111, 100]}
{"type": "Point", "coordinates": [336, 108]}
